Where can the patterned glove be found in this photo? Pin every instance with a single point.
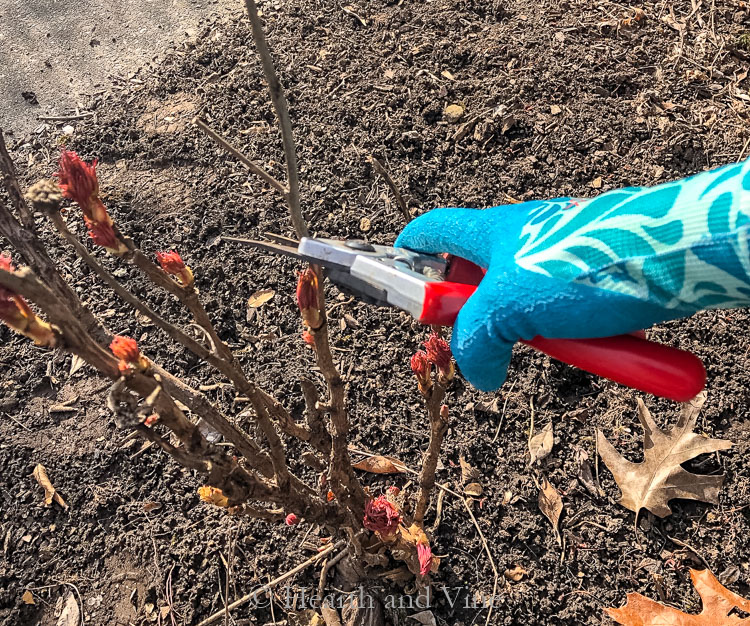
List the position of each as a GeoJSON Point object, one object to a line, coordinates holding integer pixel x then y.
{"type": "Point", "coordinates": [573, 269]}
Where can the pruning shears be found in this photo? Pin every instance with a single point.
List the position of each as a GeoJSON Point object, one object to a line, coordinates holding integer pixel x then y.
{"type": "Point", "coordinates": [433, 288]}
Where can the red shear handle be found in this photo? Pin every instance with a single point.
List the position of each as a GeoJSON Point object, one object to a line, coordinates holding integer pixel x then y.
{"type": "Point", "coordinates": [646, 365]}
{"type": "Point", "coordinates": [627, 359]}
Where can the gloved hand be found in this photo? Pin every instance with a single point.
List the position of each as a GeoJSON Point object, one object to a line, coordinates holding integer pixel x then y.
{"type": "Point", "coordinates": [574, 269]}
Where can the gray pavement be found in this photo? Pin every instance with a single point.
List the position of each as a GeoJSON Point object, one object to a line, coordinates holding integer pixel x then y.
{"type": "Point", "coordinates": [53, 53]}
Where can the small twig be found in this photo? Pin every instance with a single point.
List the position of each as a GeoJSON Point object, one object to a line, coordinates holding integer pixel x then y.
{"type": "Point", "coordinates": [380, 169]}
{"type": "Point", "coordinates": [65, 118]}
{"type": "Point", "coordinates": [489, 555]}
{"type": "Point", "coordinates": [21, 424]}
{"type": "Point", "coordinates": [502, 415]}
{"type": "Point", "coordinates": [329, 563]}
{"type": "Point", "coordinates": [691, 548]}
{"type": "Point", "coordinates": [251, 165]}
{"type": "Point", "coordinates": [281, 107]}
{"type": "Point", "coordinates": [270, 585]}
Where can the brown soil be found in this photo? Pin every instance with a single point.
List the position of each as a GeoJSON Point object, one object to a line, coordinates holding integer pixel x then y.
{"type": "Point", "coordinates": [563, 98]}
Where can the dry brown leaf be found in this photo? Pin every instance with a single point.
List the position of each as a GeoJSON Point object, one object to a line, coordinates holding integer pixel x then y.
{"type": "Point", "coordinates": [28, 597]}
{"type": "Point", "coordinates": [652, 483]}
{"type": "Point", "coordinates": [718, 602]}
{"type": "Point", "coordinates": [426, 618]}
{"type": "Point", "coordinates": [365, 224]}
{"type": "Point", "coordinates": [540, 445]}
{"type": "Point", "coordinates": [515, 574]}
{"type": "Point", "coordinates": [555, 109]}
{"type": "Point", "coordinates": [259, 298]}
{"type": "Point", "coordinates": [473, 489]}
{"type": "Point", "coordinates": [468, 473]}
{"type": "Point", "coordinates": [71, 614]}
{"type": "Point", "coordinates": [50, 493]}
{"type": "Point", "coordinates": [550, 503]}
{"type": "Point", "coordinates": [214, 496]}
{"type": "Point", "coordinates": [380, 465]}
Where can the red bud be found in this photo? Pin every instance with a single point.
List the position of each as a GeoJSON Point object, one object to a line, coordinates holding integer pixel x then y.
{"type": "Point", "coordinates": [381, 516]}
{"type": "Point", "coordinates": [424, 554]}
{"type": "Point", "coordinates": [291, 519]}
{"type": "Point", "coordinates": [439, 354]}
{"type": "Point", "coordinates": [307, 298]}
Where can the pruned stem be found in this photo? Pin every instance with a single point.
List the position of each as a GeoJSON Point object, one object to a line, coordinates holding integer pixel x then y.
{"type": "Point", "coordinates": [438, 428]}
{"type": "Point", "coordinates": [249, 164]}
{"type": "Point", "coordinates": [380, 169]}
{"type": "Point", "coordinates": [344, 483]}
{"type": "Point", "coordinates": [281, 107]}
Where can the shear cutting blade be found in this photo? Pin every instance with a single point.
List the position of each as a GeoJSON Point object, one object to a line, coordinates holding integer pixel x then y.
{"type": "Point", "coordinates": [270, 246]}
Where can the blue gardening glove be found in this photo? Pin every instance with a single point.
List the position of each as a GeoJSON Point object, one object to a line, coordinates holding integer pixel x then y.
{"type": "Point", "coordinates": [574, 269]}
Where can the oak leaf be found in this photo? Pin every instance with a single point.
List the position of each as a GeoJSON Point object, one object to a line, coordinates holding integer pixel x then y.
{"type": "Point", "coordinates": [718, 602]}
{"type": "Point", "coordinates": [659, 478]}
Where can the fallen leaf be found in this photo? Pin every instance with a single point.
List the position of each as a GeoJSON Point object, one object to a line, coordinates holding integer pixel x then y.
{"type": "Point", "coordinates": [307, 617]}
{"type": "Point", "coordinates": [468, 473]}
{"type": "Point", "coordinates": [473, 489]}
{"type": "Point", "coordinates": [76, 363]}
{"type": "Point", "coordinates": [426, 618]}
{"type": "Point", "coordinates": [718, 602]}
{"type": "Point", "coordinates": [214, 496]}
{"type": "Point", "coordinates": [652, 483]}
{"type": "Point", "coordinates": [550, 503]}
{"type": "Point", "coordinates": [447, 74]}
{"type": "Point", "coordinates": [380, 465]}
{"type": "Point", "coordinates": [50, 493]}
{"type": "Point", "coordinates": [555, 110]}
{"type": "Point", "coordinates": [164, 611]}
{"type": "Point", "coordinates": [365, 224]}
{"type": "Point", "coordinates": [70, 615]}
{"type": "Point", "coordinates": [151, 506]}
{"type": "Point", "coordinates": [540, 445]}
{"type": "Point", "coordinates": [28, 597]}
{"type": "Point", "coordinates": [453, 113]}
{"type": "Point", "coordinates": [597, 182]}
{"type": "Point", "coordinates": [259, 298]}
{"type": "Point", "coordinates": [515, 574]}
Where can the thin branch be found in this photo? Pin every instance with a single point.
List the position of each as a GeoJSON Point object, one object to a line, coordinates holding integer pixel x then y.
{"type": "Point", "coordinates": [281, 107]}
{"type": "Point", "coordinates": [251, 165]}
{"type": "Point", "coordinates": [10, 180]}
{"type": "Point", "coordinates": [380, 169]}
{"type": "Point", "coordinates": [438, 428]}
{"type": "Point", "coordinates": [27, 244]}
{"type": "Point", "coordinates": [344, 483]}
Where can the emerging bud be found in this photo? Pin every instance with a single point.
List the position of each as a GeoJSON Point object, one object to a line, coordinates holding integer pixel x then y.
{"type": "Point", "coordinates": [308, 338]}
{"type": "Point", "coordinates": [102, 234]}
{"type": "Point", "coordinates": [17, 314]}
{"type": "Point", "coordinates": [307, 298]}
{"type": "Point", "coordinates": [424, 554]}
{"type": "Point", "coordinates": [422, 368]}
{"type": "Point", "coordinates": [381, 516]}
{"type": "Point", "coordinates": [126, 349]}
{"type": "Point", "coordinates": [79, 183]}
{"type": "Point", "coordinates": [439, 354]}
{"type": "Point", "coordinates": [78, 180]}
{"type": "Point", "coordinates": [291, 519]}
{"type": "Point", "coordinates": [172, 264]}
{"type": "Point", "coordinates": [151, 420]}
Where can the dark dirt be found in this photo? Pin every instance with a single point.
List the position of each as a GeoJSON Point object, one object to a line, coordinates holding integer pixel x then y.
{"type": "Point", "coordinates": [635, 103]}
